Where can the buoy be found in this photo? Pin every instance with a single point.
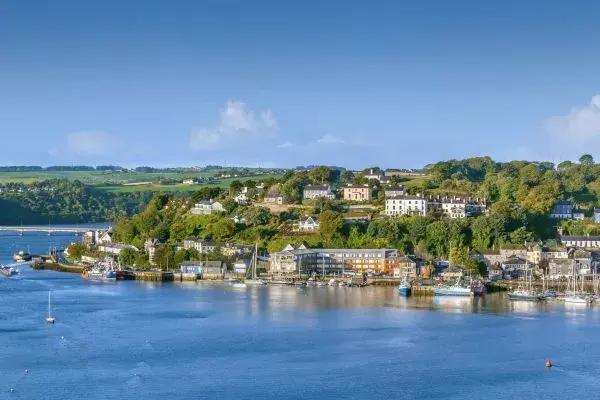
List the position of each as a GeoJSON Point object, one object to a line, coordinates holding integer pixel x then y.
{"type": "Point", "coordinates": [548, 363]}
{"type": "Point", "coordinates": [26, 371]}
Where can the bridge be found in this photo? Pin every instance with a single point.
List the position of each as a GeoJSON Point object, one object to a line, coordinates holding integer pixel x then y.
{"type": "Point", "coordinates": [48, 229]}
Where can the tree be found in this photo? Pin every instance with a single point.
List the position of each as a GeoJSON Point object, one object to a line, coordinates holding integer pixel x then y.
{"type": "Point", "coordinates": [330, 226]}
{"type": "Point", "coordinates": [128, 257]}
{"type": "Point", "coordinates": [256, 216]}
{"type": "Point", "coordinates": [235, 187]}
{"type": "Point", "coordinates": [459, 254]}
{"type": "Point", "coordinates": [586, 159]}
{"type": "Point", "coordinates": [76, 250]}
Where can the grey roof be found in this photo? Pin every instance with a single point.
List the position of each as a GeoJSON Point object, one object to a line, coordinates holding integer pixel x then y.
{"type": "Point", "coordinates": [305, 218]}
{"type": "Point", "coordinates": [213, 264]}
{"type": "Point", "coordinates": [395, 188]}
{"type": "Point", "coordinates": [562, 203]}
{"type": "Point", "coordinates": [514, 260]}
{"type": "Point", "coordinates": [316, 187]}
{"type": "Point", "coordinates": [406, 197]}
{"type": "Point", "coordinates": [580, 238]}
{"type": "Point", "coordinates": [191, 263]}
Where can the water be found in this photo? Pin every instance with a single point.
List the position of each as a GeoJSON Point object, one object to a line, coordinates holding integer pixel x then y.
{"type": "Point", "coordinates": [132, 340]}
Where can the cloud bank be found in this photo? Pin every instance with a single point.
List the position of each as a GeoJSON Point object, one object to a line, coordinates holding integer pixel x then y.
{"type": "Point", "coordinates": [579, 128]}
{"type": "Point", "coordinates": [237, 126]}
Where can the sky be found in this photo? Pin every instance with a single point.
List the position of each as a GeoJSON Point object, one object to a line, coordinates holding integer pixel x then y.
{"type": "Point", "coordinates": [282, 83]}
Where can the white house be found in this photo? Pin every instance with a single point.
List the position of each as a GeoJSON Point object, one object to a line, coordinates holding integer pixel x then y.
{"type": "Point", "coordinates": [406, 205]}
{"type": "Point", "coordinates": [150, 248]}
{"type": "Point", "coordinates": [312, 192]}
{"type": "Point", "coordinates": [202, 246]}
{"type": "Point", "coordinates": [115, 248]}
{"type": "Point", "coordinates": [308, 224]}
{"type": "Point", "coordinates": [207, 207]}
{"type": "Point", "coordinates": [242, 196]}
{"type": "Point", "coordinates": [585, 242]}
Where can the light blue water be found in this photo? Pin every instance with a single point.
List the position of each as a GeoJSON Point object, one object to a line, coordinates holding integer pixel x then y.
{"type": "Point", "coordinates": [131, 340]}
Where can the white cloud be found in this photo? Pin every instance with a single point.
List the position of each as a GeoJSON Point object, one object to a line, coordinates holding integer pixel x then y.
{"type": "Point", "coordinates": [287, 145]}
{"type": "Point", "coordinates": [237, 125]}
{"type": "Point", "coordinates": [330, 139]}
{"type": "Point", "coordinates": [91, 143]}
{"type": "Point", "coordinates": [579, 126]}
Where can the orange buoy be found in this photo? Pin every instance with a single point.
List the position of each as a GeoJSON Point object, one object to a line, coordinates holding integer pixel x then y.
{"type": "Point", "coordinates": [548, 364]}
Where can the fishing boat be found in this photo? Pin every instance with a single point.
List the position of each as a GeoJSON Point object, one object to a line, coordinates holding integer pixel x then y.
{"type": "Point", "coordinates": [104, 271]}
{"type": "Point", "coordinates": [251, 275]}
{"type": "Point", "coordinates": [50, 319]}
{"type": "Point", "coordinates": [22, 256]}
{"type": "Point", "coordinates": [405, 287]}
{"type": "Point", "coordinates": [452, 290]}
{"type": "Point", "coordinates": [477, 288]}
{"type": "Point", "coordinates": [7, 270]}
{"type": "Point", "coordinates": [92, 275]}
{"type": "Point", "coordinates": [525, 291]}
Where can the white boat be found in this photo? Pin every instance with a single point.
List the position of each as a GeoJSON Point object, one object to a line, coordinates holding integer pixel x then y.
{"type": "Point", "coordinates": [50, 319]}
{"type": "Point", "coordinates": [321, 283]}
{"type": "Point", "coordinates": [332, 282]}
{"type": "Point", "coordinates": [239, 285]}
{"type": "Point", "coordinates": [251, 275]}
{"type": "Point", "coordinates": [525, 290]}
{"type": "Point", "coordinates": [574, 298]}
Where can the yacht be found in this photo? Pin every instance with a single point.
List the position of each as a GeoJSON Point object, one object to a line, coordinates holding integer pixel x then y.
{"type": "Point", "coordinates": [50, 319]}
{"type": "Point", "coordinates": [525, 291]}
{"type": "Point", "coordinates": [251, 275]}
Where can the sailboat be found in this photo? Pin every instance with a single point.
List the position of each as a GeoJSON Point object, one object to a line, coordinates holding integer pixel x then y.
{"type": "Point", "coordinates": [576, 296]}
{"type": "Point", "coordinates": [49, 319]}
{"type": "Point", "coordinates": [251, 275]}
{"type": "Point", "coordinates": [525, 290]}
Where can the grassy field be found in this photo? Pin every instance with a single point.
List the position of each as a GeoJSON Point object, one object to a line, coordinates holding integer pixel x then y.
{"type": "Point", "coordinates": [114, 181]}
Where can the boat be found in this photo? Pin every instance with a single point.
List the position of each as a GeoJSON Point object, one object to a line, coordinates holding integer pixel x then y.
{"type": "Point", "coordinates": [525, 291]}
{"type": "Point", "coordinates": [103, 271]}
{"type": "Point", "coordinates": [575, 293]}
{"type": "Point", "coordinates": [452, 290]}
{"type": "Point", "coordinates": [50, 319]}
{"type": "Point", "coordinates": [577, 298]}
{"type": "Point", "coordinates": [405, 287]}
{"type": "Point", "coordinates": [550, 294]}
{"type": "Point", "coordinates": [239, 285]}
{"type": "Point", "coordinates": [321, 283]}
{"type": "Point", "coordinates": [311, 282]}
{"type": "Point", "coordinates": [340, 284]}
{"type": "Point", "coordinates": [477, 288]}
{"type": "Point", "coordinates": [7, 271]}
{"type": "Point", "coordinates": [22, 256]}
{"type": "Point", "coordinates": [251, 275]}
{"type": "Point", "coordinates": [332, 282]}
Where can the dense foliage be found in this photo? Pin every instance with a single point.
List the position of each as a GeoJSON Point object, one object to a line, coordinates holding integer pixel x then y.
{"type": "Point", "coordinates": [63, 201]}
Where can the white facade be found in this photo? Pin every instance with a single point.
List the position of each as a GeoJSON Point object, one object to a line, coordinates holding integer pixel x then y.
{"type": "Point", "coordinates": [308, 224]}
{"type": "Point", "coordinates": [585, 242]}
{"type": "Point", "coordinates": [207, 207]}
{"type": "Point", "coordinates": [312, 192]}
{"type": "Point", "coordinates": [406, 205]}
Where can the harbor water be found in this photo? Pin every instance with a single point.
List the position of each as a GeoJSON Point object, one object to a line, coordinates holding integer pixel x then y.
{"type": "Point", "coordinates": [140, 340]}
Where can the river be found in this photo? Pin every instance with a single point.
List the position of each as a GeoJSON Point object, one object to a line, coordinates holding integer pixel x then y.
{"type": "Point", "coordinates": [133, 340]}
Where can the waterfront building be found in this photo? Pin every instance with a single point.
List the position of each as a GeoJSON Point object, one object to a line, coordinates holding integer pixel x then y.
{"type": "Point", "coordinates": [405, 266]}
{"type": "Point", "coordinates": [406, 205]}
{"type": "Point", "coordinates": [457, 207]}
{"type": "Point", "coordinates": [150, 248]}
{"type": "Point", "coordinates": [597, 215]}
{"type": "Point", "coordinates": [312, 192]}
{"type": "Point", "coordinates": [515, 267]}
{"type": "Point", "coordinates": [240, 266]}
{"type": "Point", "coordinates": [333, 260]}
{"type": "Point", "coordinates": [214, 270]}
{"type": "Point", "coordinates": [191, 267]}
{"type": "Point", "coordinates": [207, 207]}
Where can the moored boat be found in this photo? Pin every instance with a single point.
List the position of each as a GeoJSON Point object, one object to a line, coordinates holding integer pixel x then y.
{"type": "Point", "coordinates": [405, 287]}
{"type": "Point", "coordinates": [525, 295]}
{"type": "Point", "coordinates": [452, 290]}
{"type": "Point", "coordinates": [7, 271]}
{"type": "Point", "coordinates": [22, 256]}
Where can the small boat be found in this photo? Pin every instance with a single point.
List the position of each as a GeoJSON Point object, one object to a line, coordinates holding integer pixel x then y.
{"type": "Point", "coordinates": [332, 282]}
{"type": "Point", "coordinates": [477, 288]}
{"type": "Point", "coordinates": [577, 298]}
{"type": "Point", "coordinates": [92, 275]}
{"type": "Point", "coordinates": [340, 284]}
{"type": "Point", "coordinates": [22, 256]}
{"type": "Point", "coordinates": [311, 282]}
{"type": "Point", "coordinates": [524, 295]}
{"type": "Point", "coordinates": [8, 271]}
{"type": "Point", "coordinates": [321, 283]}
{"type": "Point", "coordinates": [251, 273]}
{"type": "Point", "coordinates": [50, 319]}
{"type": "Point", "coordinates": [405, 287]}
{"type": "Point", "coordinates": [452, 290]}
{"type": "Point", "coordinates": [550, 294]}
{"type": "Point", "coordinates": [239, 285]}
{"type": "Point", "coordinates": [299, 283]}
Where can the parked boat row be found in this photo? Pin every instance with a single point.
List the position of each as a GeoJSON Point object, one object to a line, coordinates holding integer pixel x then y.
{"type": "Point", "coordinates": [104, 271]}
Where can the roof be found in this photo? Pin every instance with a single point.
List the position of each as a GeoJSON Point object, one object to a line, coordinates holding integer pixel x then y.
{"type": "Point", "coordinates": [406, 197]}
{"type": "Point", "coordinates": [396, 188]}
{"type": "Point", "coordinates": [213, 264]}
{"type": "Point", "coordinates": [515, 260]}
{"type": "Point", "coordinates": [581, 238]}
{"type": "Point", "coordinates": [304, 219]}
{"type": "Point", "coordinates": [316, 187]}
{"type": "Point", "coordinates": [365, 186]}
{"type": "Point", "coordinates": [191, 263]}
{"type": "Point", "coordinates": [562, 203]}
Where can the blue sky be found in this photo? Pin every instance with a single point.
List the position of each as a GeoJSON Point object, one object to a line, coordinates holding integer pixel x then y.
{"type": "Point", "coordinates": [286, 83]}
